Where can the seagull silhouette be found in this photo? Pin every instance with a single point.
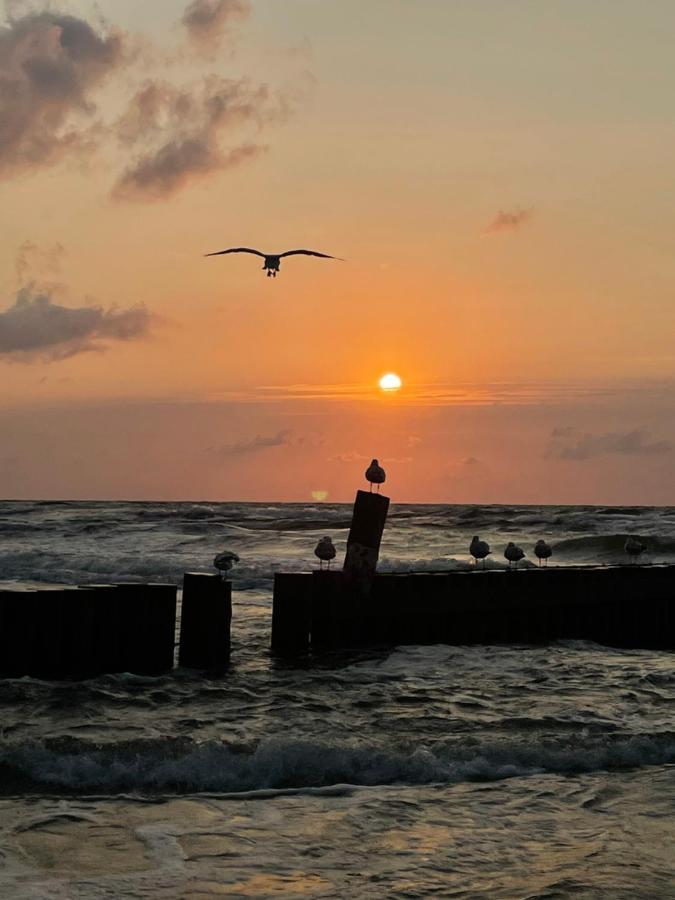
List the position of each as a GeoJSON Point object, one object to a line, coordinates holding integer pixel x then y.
{"type": "Point", "coordinates": [273, 260]}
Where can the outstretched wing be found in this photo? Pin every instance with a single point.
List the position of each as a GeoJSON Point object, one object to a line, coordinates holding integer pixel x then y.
{"type": "Point", "coordinates": [308, 253]}
{"type": "Point", "coordinates": [236, 250]}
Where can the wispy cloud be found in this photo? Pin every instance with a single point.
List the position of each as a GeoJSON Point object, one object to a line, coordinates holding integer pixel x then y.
{"type": "Point", "coordinates": [587, 446]}
{"type": "Point", "coordinates": [50, 66]}
{"type": "Point", "coordinates": [36, 261]}
{"type": "Point", "coordinates": [509, 220]}
{"type": "Point", "coordinates": [180, 134]}
{"type": "Point", "coordinates": [208, 21]}
{"type": "Point", "coordinates": [254, 444]}
{"type": "Point", "coordinates": [37, 328]}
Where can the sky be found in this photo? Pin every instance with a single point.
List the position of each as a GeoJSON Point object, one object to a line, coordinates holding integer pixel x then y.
{"type": "Point", "coordinates": [496, 174]}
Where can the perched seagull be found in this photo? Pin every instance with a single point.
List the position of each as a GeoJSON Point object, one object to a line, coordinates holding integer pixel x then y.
{"type": "Point", "coordinates": [375, 474]}
{"type": "Point", "coordinates": [513, 553]}
{"type": "Point", "coordinates": [325, 550]}
{"type": "Point", "coordinates": [273, 260]}
{"type": "Point", "coordinates": [634, 548]}
{"type": "Point", "coordinates": [479, 549]}
{"type": "Point", "coordinates": [542, 550]}
{"type": "Point", "coordinates": [225, 561]}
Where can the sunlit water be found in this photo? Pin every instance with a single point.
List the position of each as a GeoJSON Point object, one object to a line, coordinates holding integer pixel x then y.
{"type": "Point", "coordinates": [495, 772]}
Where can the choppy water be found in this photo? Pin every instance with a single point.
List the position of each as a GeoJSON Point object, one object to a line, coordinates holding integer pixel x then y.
{"type": "Point", "coordinates": [496, 772]}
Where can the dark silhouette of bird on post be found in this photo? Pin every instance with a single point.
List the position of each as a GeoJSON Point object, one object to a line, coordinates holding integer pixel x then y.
{"type": "Point", "coordinates": [272, 262]}
{"type": "Point", "coordinates": [375, 474]}
{"type": "Point", "coordinates": [225, 561]}
{"type": "Point", "coordinates": [325, 551]}
{"type": "Point", "coordinates": [634, 549]}
{"type": "Point", "coordinates": [514, 553]}
{"type": "Point", "coordinates": [479, 549]}
{"type": "Point", "coordinates": [543, 551]}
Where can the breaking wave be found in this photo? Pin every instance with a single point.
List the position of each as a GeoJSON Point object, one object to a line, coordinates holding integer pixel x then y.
{"type": "Point", "coordinates": [281, 764]}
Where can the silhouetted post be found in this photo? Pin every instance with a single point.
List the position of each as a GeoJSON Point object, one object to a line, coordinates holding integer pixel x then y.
{"type": "Point", "coordinates": [17, 632]}
{"type": "Point", "coordinates": [47, 650]}
{"type": "Point", "coordinates": [291, 614]}
{"type": "Point", "coordinates": [106, 628]}
{"type": "Point", "coordinates": [147, 625]}
{"type": "Point", "coordinates": [365, 537]}
{"type": "Point", "coordinates": [206, 616]}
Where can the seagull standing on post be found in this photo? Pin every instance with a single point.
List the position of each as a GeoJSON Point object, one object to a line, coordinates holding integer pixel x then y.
{"type": "Point", "coordinates": [225, 561]}
{"type": "Point", "coordinates": [634, 548]}
{"type": "Point", "coordinates": [273, 260]}
{"type": "Point", "coordinates": [325, 550]}
{"type": "Point", "coordinates": [479, 549]}
{"type": "Point", "coordinates": [375, 474]}
{"type": "Point", "coordinates": [514, 553]}
{"type": "Point", "coordinates": [542, 550]}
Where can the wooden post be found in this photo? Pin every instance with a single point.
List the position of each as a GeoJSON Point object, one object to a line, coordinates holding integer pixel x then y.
{"type": "Point", "coordinates": [291, 614]}
{"type": "Point", "coordinates": [365, 536]}
{"type": "Point", "coordinates": [47, 651]}
{"type": "Point", "coordinates": [147, 624]}
{"type": "Point", "coordinates": [106, 628]}
{"type": "Point", "coordinates": [17, 630]}
{"type": "Point", "coordinates": [206, 616]}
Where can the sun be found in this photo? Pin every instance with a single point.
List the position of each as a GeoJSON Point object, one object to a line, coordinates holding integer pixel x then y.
{"type": "Point", "coordinates": [390, 382]}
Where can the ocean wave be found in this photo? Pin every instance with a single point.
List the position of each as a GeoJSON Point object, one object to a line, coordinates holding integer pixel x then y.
{"type": "Point", "coordinates": [181, 766]}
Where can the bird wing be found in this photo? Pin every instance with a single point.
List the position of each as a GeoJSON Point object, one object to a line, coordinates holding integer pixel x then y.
{"type": "Point", "coordinates": [308, 253]}
{"type": "Point", "coordinates": [236, 250]}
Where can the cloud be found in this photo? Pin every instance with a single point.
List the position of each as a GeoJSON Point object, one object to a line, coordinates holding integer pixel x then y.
{"type": "Point", "coordinates": [31, 259]}
{"type": "Point", "coordinates": [254, 444]}
{"type": "Point", "coordinates": [207, 21]}
{"type": "Point", "coordinates": [36, 328]}
{"type": "Point", "coordinates": [50, 66]}
{"type": "Point", "coordinates": [350, 456]}
{"type": "Point", "coordinates": [588, 446]}
{"type": "Point", "coordinates": [506, 220]}
{"type": "Point", "coordinates": [181, 134]}
{"type": "Point", "coordinates": [470, 461]}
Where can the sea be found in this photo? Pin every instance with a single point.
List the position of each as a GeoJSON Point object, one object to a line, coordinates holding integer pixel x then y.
{"type": "Point", "coordinates": [419, 771]}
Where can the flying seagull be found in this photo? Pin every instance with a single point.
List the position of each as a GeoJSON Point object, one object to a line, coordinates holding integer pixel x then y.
{"type": "Point", "coordinates": [273, 260]}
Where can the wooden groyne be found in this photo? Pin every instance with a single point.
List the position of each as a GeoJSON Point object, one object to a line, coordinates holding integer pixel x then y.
{"type": "Point", "coordinates": [77, 633]}
{"type": "Point", "coordinates": [620, 606]}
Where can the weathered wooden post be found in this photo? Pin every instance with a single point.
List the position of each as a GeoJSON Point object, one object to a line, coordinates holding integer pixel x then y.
{"type": "Point", "coordinates": [365, 537]}
{"type": "Point", "coordinates": [291, 614]}
{"type": "Point", "coordinates": [147, 624]}
{"type": "Point", "coordinates": [206, 616]}
{"type": "Point", "coordinates": [17, 630]}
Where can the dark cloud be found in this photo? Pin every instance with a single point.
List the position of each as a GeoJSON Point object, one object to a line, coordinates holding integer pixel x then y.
{"type": "Point", "coordinates": [50, 65]}
{"type": "Point", "coordinates": [588, 446]}
{"type": "Point", "coordinates": [207, 21]}
{"type": "Point", "coordinates": [181, 134]}
{"type": "Point", "coordinates": [508, 220]}
{"type": "Point", "coordinates": [470, 461]}
{"type": "Point", "coordinates": [254, 444]}
{"type": "Point", "coordinates": [36, 328]}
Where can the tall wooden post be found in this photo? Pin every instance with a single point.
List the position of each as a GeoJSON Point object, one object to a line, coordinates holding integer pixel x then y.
{"type": "Point", "coordinates": [206, 615]}
{"type": "Point", "coordinates": [365, 537]}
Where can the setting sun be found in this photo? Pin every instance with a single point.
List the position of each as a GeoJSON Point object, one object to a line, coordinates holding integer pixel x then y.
{"type": "Point", "coordinates": [390, 382]}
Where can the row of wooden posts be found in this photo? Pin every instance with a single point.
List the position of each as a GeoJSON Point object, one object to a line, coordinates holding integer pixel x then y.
{"type": "Point", "coordinates": [102, 629]}
{"type": "Point", "coordinates": [98, 629]}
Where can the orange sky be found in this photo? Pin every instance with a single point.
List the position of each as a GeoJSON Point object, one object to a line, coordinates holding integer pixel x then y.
{"type": "Point", "coordinates": [497, 177]}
